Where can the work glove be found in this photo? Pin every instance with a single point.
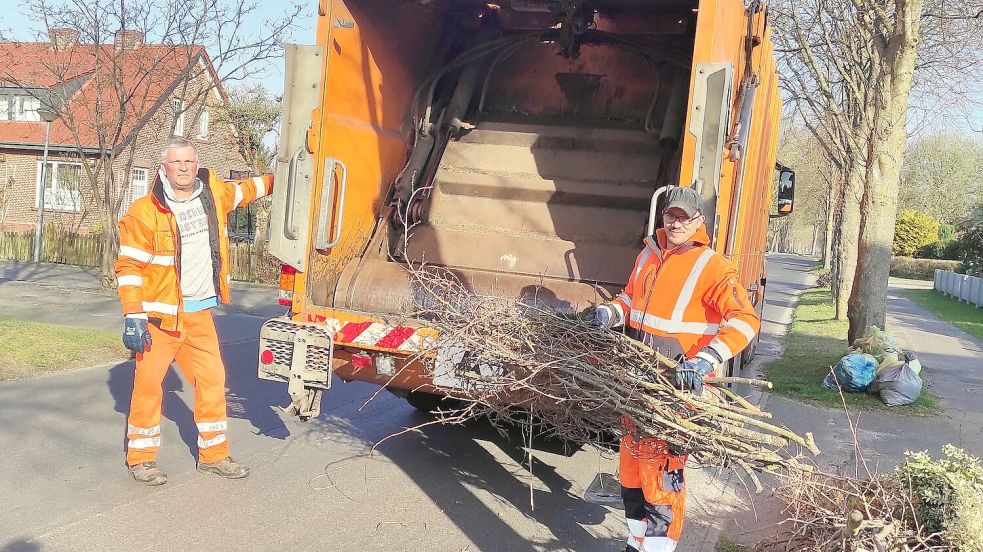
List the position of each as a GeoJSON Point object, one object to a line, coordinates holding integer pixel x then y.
{"type": "Point", "coordinates": [690, 373]}
{"type": "Point", "coordinates": [602, 316]}
{"type": "Point", "coordinates": [136, 336]}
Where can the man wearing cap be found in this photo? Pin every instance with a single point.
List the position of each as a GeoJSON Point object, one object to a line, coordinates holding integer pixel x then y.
{"type": "Point", "coordinates": [684, 300]}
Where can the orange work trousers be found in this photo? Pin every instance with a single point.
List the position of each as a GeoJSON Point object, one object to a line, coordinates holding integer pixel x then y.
{"type": "Point", "coordinates": [197, 354]}
{"type": "Point", "coordinates": [654, 492]}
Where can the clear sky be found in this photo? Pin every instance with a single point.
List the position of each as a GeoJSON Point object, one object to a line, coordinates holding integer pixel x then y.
{"type": "Point", "coordinates": [17, 24]}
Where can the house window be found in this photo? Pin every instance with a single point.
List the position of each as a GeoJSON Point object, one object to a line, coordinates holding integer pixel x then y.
{"type": "Point", "coordinates": [138, 188]}
{"type": "Point", "coordinates": [177, 106]}
{"type": "Point", "coordinates": [203, 124]}
{"type": "Point", "coordinates": [61, 186]}
{"type": "Point", "coordinates": [138, 183]}
{"type": "Point", "coordinates": [19, 107]}
{"type": "Point", "coordinates": [26, 108]}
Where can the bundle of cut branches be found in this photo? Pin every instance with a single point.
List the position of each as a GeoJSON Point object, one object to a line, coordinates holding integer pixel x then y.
{"type": "Point", "coordinates": [581, 382]}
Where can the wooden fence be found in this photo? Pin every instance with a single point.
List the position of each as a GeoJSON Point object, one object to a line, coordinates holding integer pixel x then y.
{"type": "Point", "coordinates": [57, 246]}
{"type": "Point", "coordinates": [86, 250]}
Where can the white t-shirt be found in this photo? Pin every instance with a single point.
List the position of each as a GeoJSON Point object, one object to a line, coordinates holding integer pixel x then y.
{"type": "Point", "coordinates": [197, 275]}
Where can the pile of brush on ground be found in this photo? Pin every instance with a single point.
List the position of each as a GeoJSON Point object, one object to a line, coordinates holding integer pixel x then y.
{"type": "Point", "coordinates": [579, 382]}
{"type": "Point", "coordinates": [923, 505]}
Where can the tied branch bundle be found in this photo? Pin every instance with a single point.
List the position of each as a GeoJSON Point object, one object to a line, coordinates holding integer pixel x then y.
{"type": "Point", "coordinates": [581, 382]}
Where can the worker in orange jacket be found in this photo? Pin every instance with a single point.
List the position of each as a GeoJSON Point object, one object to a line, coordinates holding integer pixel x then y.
{"type": "Point", "coordinates": [685, 300]}
{"type": "Point", "coordinates": [173, 267]}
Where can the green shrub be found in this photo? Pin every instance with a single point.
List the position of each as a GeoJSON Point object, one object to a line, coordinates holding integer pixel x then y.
{"type": "Point", "coordinates": [920, 269]}
{"type": "Point", "coordinates": [971, 243]}
{"type": "Point", "coordinates": [939, 249]}
{"type": "Point", "coordinates": [914, 230]}
{"type": "Point", "coordinates": [947, 233]}
{"type": "Point", "coordinates": [947, 496]}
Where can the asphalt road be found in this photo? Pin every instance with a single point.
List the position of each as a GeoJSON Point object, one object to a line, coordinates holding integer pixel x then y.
{"type": "Point", "coordinates": [314, 486]}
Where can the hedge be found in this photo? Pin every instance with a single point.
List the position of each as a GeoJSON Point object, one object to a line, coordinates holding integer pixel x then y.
{"type": "Point", "coordinates": [920, 269]}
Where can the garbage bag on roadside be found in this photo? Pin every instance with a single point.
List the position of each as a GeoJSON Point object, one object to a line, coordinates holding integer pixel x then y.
{"type": "Point", "coordinates": [877, 342]}
{"type": "Point", "coordinates": [899, 385]}
{"type": "Point", "coordinates": [854, 372]}
{"type": "Point", "coordinates": [891, 360]}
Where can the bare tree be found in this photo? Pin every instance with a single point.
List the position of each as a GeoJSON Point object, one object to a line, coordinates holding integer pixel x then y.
{"type": "Point", "coordinates": [942, 176]}
{"type": "Point", "coordinates": [124, 85]}
{"type": "Point", "coordinates": [805, 230]}
{"type": "Point", "coordinates": [254, 114]}
{"type": "Point", "coordinates": [850, 68]}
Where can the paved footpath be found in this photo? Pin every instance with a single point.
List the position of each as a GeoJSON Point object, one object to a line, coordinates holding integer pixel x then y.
{"type": "Point", "coordinates": [64, 294]}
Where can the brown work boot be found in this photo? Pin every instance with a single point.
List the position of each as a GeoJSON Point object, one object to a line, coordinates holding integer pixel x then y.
{"type": "Point", "coordinates": [226, 467]}
{"type": "Point", "coordinates": [148, 473]}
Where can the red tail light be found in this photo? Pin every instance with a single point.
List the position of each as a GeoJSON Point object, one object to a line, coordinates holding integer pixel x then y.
{"type": "Point", "coordinates": [287, 276]}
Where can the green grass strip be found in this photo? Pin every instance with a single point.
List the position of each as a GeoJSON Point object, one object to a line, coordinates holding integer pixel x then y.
{"type": "Point", "coordinates": [29, 348]}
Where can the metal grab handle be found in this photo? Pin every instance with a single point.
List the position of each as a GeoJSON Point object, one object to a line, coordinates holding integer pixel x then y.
{"type": "Point", "coordinates": [341, 204]}
{"type": "Point", "coordinates": [289, 228]}
{"type": "Point", "coordinates": [653, 207]}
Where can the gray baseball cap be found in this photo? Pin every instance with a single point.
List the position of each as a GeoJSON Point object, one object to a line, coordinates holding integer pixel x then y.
{"type": "Point", "coordinates": [686, 199]}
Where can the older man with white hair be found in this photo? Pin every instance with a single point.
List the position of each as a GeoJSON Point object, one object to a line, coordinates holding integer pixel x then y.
{"type": "Point", "coordinates": [173, 267]}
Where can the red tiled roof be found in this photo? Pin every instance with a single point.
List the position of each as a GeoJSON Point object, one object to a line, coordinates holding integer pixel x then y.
{"type": "Point", "coordinates": [144, 76]}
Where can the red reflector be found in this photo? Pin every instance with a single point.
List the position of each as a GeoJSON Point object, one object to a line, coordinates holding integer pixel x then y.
{"type": "Point", "coordinates": [266, 357]}
{"type": "Point", "coordinates": [361, 361]}
{"type": "Point", "coordinates": [287, 270]}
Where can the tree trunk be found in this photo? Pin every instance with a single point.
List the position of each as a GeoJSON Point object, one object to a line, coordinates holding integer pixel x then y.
{"type": "Point", "coordinates": [868, 299]}
{"type": "Point", "coordinates": [110, 250]}
{"type": "Point", "coordinates": [262, 222]}
{"type": "Point", "coordinates": [848, 241]}
{"type": "Point", "coordinates": [832, 205]}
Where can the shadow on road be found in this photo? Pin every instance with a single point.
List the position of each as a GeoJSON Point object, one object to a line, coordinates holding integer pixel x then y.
{"type": "Point", "coordinates": [20, 545]}
{"type": "Point", "coordinates": [452, 466]}
{"type": "Point", "coordinates": [248, 397]}
{"type": "Point", "coordinates": [48, 273]}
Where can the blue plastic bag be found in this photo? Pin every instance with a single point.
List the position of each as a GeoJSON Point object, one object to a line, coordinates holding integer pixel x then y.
{"type": "Point", "coordinates": [854, 372]}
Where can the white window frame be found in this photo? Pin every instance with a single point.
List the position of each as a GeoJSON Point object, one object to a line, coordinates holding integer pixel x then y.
{"type": "Point", "coordinates": [21, 113]}
{"type": "Point", "coordinates": [203, 125]}
{"type": "Point", "coordinates": [177, 107]}
{"type": "Point", "coordinates": [58, 199]}
{"type": "Point", "coordinates": [131, 194]}
{"type": "Point", "coordinates": [146, 182]}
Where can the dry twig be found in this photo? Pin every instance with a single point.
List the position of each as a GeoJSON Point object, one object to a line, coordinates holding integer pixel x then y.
{"type": "Point", "coordinates": [583, 381]}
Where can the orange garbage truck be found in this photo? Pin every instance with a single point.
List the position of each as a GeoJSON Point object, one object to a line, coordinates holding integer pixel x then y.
{"type": "Point", "coordinates": [524, 145]}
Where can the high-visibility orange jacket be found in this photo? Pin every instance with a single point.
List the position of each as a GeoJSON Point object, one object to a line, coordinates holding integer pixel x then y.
{"type": "Point", "coordinates": [148, 267]}
{"type": "Point", "coordinates": [689, 298]}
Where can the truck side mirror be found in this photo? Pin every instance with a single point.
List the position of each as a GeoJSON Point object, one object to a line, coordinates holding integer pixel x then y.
{"type": "Point", "coordinates": [786, 191]}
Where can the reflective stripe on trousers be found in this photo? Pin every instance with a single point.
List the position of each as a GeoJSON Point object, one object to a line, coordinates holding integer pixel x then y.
{"type": "Point", "coordinates": [196, 352]}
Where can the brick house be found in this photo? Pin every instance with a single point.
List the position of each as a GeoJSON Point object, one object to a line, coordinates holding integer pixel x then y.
{"type": "Point", "coordinates": [169, 91]}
